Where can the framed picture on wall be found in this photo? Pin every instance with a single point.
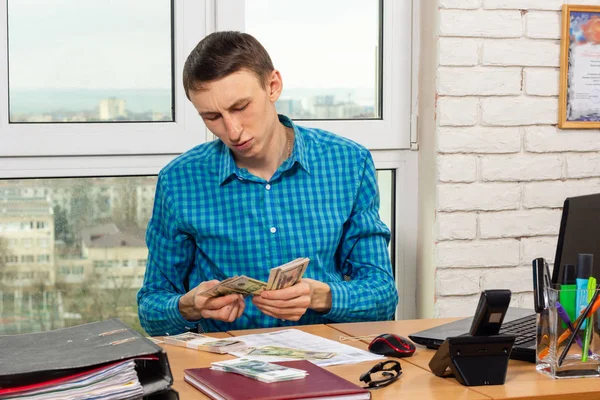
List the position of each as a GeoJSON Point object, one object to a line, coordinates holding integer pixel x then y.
{"type": "Point", "coordinates": [579, 96]}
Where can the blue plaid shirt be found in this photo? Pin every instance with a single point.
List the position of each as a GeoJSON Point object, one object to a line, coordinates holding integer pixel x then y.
{"type": "Point", "coordinates": [213, 220]}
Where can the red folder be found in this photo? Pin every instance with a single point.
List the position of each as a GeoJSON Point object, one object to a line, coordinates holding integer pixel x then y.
{"type": "Point", "coordinates": [319, 383]}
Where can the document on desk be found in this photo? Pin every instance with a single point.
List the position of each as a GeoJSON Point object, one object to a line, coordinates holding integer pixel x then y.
{"type": "Point", "coordinates": [297, 339]}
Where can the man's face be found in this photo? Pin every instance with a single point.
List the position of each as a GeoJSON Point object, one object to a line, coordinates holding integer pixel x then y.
{"type": "Point", "coordinates": [240, 111]}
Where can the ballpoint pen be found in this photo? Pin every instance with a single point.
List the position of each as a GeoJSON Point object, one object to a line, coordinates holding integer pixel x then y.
{"type": "Point", "coordinates": [562, 313]}
{"type": "Point", "coordinates": [544, 352]}
{"type": "Point", "coordinates": [580, 322]}
{"type": "Point", "coordinates": [590, 321]}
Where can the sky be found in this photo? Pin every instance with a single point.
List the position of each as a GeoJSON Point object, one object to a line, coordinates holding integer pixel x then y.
{"type": "Point", "coordinates": [126, 44]}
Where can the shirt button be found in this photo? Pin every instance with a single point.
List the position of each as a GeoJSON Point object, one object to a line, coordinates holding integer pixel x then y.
{"type": "Point", "coordinates": [273, 229]}
{"type": "Point", "coordinates": [268, 187]}
{"type": "Point", "coordinates": [240, 178]}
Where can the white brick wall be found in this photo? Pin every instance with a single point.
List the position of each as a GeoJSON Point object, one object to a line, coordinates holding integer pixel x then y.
{"type": "Point", "coordinates": [458, 51]}
{"type": "Point", "coordinates": [521, 52]}
{"type": "Point", "coordinates": [453, 226]}
{"type": "Point", "coordinates": [523, 4]}
{"type": "Point", "coordinates": [479, 81]}
{"type": "Point", "coordinates": [479, 139]}
{"type": "Point", "coordinates": [479, 23]}
{"type": "Point", "coordinates": [542, 25]}
{"type": "Point", "coordinates": [503, 167]}
{"type": "Point", "coordinates": [541, 81]}
{"type": "Point", "coordinates": [520, 167]}
{"type": "Point", "coordinates": [457, 168]}
{"type": "Point", "coordinates": [458, 111]}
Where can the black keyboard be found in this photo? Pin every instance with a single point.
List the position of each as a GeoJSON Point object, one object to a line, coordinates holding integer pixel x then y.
{"type": "Point", "coordinates": [522, 328]}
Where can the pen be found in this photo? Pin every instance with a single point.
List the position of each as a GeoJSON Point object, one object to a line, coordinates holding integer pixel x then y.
{"type": "Point", "coordinates": [584, 271]}
{"type": "Point", "coordinates": [588, 329]}
{"type": "Point", "coordinates": [581, 320]}
{"type": "Point", "coordinates": [562, 313]}
{"type": "Point", "coordinates": [565, 334]}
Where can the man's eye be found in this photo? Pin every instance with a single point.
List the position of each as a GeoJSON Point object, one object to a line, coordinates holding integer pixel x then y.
{"type": "Point", "coordinates": [212, 118]}
{"type": "Point", "coordinates": [241, 108]}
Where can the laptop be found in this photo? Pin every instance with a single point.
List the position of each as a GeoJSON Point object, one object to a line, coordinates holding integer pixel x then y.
{"type": "Point", "coordinates": [579, 233]}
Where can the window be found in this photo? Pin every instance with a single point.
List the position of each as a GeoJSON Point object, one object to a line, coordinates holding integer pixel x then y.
{"type": "Point", "coordinates": [354, 82]}
{"type": "Point", "coordinates": [110, 81]}
{"type": "Point", "coordinates": [84, 259]}
{"type": "Point", "coordinates": [335, 70]}
{"type": "Point", "coordinates": [35, 154]}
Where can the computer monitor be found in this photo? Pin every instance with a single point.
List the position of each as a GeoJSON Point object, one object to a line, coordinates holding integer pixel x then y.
{"type": "Point", "coordinates": [579, 233]}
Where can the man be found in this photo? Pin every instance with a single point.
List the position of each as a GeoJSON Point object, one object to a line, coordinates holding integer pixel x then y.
{"type": "Point", "coordinates": [265, 193]}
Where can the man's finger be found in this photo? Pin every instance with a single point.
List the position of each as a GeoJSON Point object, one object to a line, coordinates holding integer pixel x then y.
{"type": "Point", "coordinates": [288, 313]}
{"type": "Point", "coordinates": [299, 289]}
{"type": "Point", "coordinates": [221, 314]}
{"type": "Point", "coordinates": [234, 311]}
{"type": "Point", "coordinates": [299, 302]}
{"type": "Point", "coordinates": [216, 303]}
{"type": "Point", "coordinates": [241, 307]}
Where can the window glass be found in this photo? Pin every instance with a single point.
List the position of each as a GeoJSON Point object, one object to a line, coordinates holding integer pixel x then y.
{"type": "Point", "coordinates": [328, 52]}
{"type": "Point", "coordinates": [67, 256]}
{"type": "Point", "coordinates": [86, 60]}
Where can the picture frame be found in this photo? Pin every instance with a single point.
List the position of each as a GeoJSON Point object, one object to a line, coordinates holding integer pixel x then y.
{"type": "Point", "coordinates": [579, 89]}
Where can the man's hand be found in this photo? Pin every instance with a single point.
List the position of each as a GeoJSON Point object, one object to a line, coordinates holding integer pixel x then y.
{"type": "Point", "coordinates": [291, 303]}
{"type": "Point", "coordinates": [192, 306]}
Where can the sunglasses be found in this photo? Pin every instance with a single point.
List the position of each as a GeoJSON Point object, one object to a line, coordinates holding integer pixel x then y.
{"type": "Point", "coordinates": [390, 372]}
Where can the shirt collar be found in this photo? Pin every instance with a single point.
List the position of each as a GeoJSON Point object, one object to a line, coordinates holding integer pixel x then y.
{"type": "Point", "coordinates": [299, 151]}
{"type": "Point", "coordinates": [227, 166]}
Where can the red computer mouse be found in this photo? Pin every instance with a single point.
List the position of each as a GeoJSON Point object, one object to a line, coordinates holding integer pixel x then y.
{"type": "Point", "coordinates": [391, 345]}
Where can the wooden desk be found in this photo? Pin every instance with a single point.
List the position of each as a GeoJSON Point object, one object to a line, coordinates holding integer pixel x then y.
{"type": "Point", "coordinates": [413, 384]}
{"type": "Point", "coordinates": [522, 380]}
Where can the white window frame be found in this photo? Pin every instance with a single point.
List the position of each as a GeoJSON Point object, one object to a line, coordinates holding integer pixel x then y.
{"type": "Point", "coordinates": [405, 166]}
{"type": "Point", "coordinates": [191, 19]}
{"type": "Point", "coordinates": [89, 150]}
{"type": "Point", "coordinates": [55, 150]}
{"type": "Point", "coordinates": [393, 130]}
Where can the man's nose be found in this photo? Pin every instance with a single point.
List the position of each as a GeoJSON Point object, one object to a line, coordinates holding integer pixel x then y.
{"type": "Point", "coordinates": [233, 128]}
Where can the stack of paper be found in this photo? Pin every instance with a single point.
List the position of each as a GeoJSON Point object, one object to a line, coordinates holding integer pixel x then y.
{"type": "Point", "coordinates": [115, 381]}
{"type": "Point", "coordinates": [205, 343]}
{"type": "Point", "coordinates": [259, 370]}
{"type": "Point", "coordinates": [105, 359]}
{"type": "Point", "coordinates": [290, 344]}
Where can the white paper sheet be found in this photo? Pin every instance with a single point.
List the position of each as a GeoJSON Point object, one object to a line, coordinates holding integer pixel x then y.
{"type": "Point", "coordinates": [298, 339]}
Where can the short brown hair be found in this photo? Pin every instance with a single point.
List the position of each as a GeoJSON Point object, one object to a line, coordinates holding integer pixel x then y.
{"type": "Point", "coordinates": [223, 53]}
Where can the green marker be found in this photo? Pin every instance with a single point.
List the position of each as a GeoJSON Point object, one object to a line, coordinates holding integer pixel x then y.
{"type": "Point", "coordinates": [591, 288]}
{"type": "Point", "coordinates": [568, 292]}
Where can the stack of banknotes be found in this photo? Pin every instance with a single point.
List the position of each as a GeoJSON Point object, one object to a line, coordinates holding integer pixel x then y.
{"type": "Point", "coordinates": [287, 352]}
{"type": "Point", "coordinates": [280, 277]}
{"type": "Point", "coordinates": [197, 341]}
{"type": "Point", "coordinates": [259, 370]}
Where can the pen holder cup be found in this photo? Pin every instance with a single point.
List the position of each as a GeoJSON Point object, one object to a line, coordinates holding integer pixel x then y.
{"type": "Point", "coordinates": [559, 353]}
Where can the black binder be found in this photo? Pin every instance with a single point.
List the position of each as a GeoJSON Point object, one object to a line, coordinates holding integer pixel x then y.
{"type": "Point", "coordinates": [31, 358]}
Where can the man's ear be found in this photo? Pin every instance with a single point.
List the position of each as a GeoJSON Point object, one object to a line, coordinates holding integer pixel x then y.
{"type": "Point", "coordinates": [274, 86]}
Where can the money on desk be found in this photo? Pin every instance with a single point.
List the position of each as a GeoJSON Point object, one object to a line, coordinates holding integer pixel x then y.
{"type": "Point", "coordinates": [259, 370]}
{"type": "Point", "coordinates": [280, 277]}
{"type": "Point", "coordinates": [287, 352]}
{"type": "Point", "coordinates": [197, 341]}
